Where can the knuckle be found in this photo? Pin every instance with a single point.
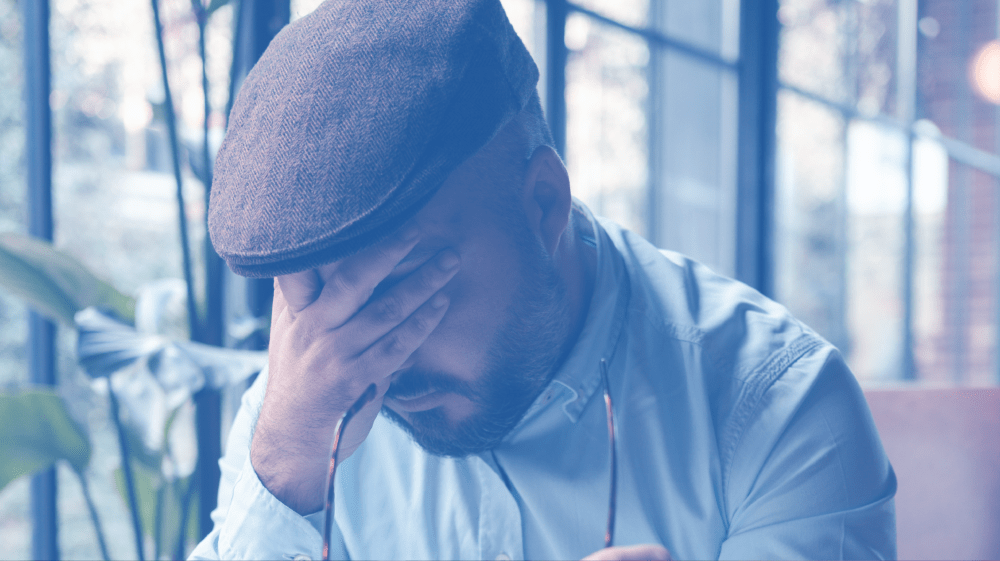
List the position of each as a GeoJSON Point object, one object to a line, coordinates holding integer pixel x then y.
{"type": "Point", "coordinates": [389, 309]}
{"type": "Point", "coordinates": [303, 330]}
{"type": "Point", "coordinates": [394, 345]}
{"type": "Point", "coordinates": [421, 324]}
{"type": "Point", "coordinates": [431, 279]}
{"type": "Point", "coordinates": [384, 252]}
{"type": "Point", "coordinates": [343, 282]}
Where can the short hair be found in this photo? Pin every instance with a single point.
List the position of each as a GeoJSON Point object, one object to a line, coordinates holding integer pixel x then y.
{"type": "Point", "coordinates": [532, 128]}
{"type": "Point", "coordinates": [501, 165]}
{"type": "Point", "coordinates": [504, 160]}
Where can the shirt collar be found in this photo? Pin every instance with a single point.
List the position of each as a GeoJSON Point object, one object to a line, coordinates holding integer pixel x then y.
{"type": "Point", "coordinates": [580, 375]}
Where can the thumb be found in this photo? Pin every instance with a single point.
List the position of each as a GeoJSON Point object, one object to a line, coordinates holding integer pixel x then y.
{"type": "Point", "coordinates": [300, 289]}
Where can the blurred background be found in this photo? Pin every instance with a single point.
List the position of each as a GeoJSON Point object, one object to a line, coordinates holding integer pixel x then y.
{"type": "Point", "coordinates": [841, 156]}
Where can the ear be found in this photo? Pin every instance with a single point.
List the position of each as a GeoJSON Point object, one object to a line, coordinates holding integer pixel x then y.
{"type": "Point", "coordinates": [547, 197]}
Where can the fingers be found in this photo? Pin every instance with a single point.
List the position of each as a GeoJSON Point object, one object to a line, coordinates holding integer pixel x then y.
{"type": "Point", "coordinates": [630, 553]}
{"type": "Point", "coordinates": [351, 282]}
{"type": "Point", "coordinates": [278, 303]}
{"type": "Point", "coordinates": [299, 289]}
{"type": "Point", "coordinates": [386, 311]}
{"type": "Point", "coordinates": [391, 351]}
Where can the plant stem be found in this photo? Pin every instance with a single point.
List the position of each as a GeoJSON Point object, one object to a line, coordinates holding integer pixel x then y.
{"type": "Point", "coordinates": [185, 512]}
{"type": "Point", "coordinates": [158, 520]}
{"type": "Point", "coordinates": [205, 152]}
{"type": "Point", "coordinates": [133, 501]}
{"type": "Point", "coordinates": [93, 514]}
{"type": "Point", "coordinates": [171, 118]}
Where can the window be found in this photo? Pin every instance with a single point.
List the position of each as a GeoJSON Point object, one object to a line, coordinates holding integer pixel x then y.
{"type": "Point", "coordinates": [874, 216]}
{"type": "Point", "coordinates": [651, 119]}
{"type": "Point", "coordinates": [887, 183]}
{"type": "Point", "coordinates": [113, 192]}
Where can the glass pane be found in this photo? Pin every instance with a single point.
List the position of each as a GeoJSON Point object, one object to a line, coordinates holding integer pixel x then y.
{"type": "Point", "coordinates": [113, 188]}
{"type": "Point", "coordinates": [844, 51]}
{"type": "Point", "coordinates": [15, 531]}
{"type": "Point", "coordinates": [710, 25]}
{"type": "Point", "coordinates": [810, 218]}
{"type": "Point", "coordinates": [111, 150]}
{"type": "Point", "coordinates": [812, 47]}
{"type": "Point", "coordinates": [713, 25]}
{"type": "Point", "coordinates": [694, 167]}
{"type": "Point", "coordinates": [959, 70]}
{"type": "Point", "coordinates": [956, 315]}
{"type": "Point", "coordinates": [875, 30]}
{"type": "Point", "coordinates": [15, 527]}
{"type": "Point", "coordinates": [931, 167]}
{"type": "Point", "coordinates": [876, 236]}
{"type": "Point", "coordinates": [630, 12]}
{"type": "Point", "coordinates": [13, 318]}
{"type": "Point", "coordinates": [841, 232]}
{"type": "Point", "coordinates": [607, 146]}
{"type": "Point", "coordinates": [300, 8]}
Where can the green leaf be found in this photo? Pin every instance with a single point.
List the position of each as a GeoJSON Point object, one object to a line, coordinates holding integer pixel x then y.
{"type": "Point", "coordinates": [147, 481]}
{"type": "Point", "coordinates": [170, 514]}
{"type": "Point", "coordinates": [54, 283]}
{"type": "Point", "coordinates": [35, 431]}
{"type": "Point", "coordinates": [159, 503]}
{"type": "Point", "coordinates": [215, 5]}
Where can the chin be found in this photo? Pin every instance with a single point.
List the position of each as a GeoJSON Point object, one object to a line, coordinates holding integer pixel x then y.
{"type": "Point", "coordinates": [438, 434]}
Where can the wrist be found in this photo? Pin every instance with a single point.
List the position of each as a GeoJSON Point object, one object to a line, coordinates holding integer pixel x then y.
{"type": "Point", "coordinates": [296, 479]}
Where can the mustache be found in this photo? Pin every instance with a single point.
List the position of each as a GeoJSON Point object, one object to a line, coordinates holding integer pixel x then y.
{"type": "Point", "coordinates": [412, 383]}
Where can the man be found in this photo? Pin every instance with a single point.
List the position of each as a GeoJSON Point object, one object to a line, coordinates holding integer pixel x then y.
{"type": "Point", "coordinates": [389, 163]}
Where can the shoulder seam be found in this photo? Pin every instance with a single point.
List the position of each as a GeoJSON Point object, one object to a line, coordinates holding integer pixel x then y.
{"type": "Point", "coordinates": [671, 330]}
{"type": "Point", "coordinates": [754, 389]}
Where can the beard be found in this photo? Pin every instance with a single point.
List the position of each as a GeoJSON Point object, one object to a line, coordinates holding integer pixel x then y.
{"type": "Point", "coordinates": [521, 361]}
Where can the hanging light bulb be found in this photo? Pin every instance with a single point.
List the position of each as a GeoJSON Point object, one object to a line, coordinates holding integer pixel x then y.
{"type": "Point", "coordinates": [984, 72]}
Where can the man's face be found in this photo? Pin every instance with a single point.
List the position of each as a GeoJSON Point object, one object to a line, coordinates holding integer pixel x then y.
{"type": "Point", "coordinates": [471, 381]}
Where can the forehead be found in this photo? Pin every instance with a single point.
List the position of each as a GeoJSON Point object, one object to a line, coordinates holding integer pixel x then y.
{"type": "Point", "coordinates": [463, 200]}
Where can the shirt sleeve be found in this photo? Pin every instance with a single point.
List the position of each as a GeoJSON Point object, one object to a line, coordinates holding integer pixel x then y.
{"type": "Point", "coordinates": [250, 522]}
{"type": "Point", "coordinates": [809, 478]}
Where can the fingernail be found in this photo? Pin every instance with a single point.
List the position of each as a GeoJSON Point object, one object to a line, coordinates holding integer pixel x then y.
{"type": "Point", "coordinates": [439, 300]}
{"type": "Point", "coordinates": [409, 233]}
{"type": "Point", "coordinates": [448, 260]}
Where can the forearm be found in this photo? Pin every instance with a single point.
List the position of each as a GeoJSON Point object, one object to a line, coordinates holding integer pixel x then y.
{"type": "Point", "coordinates": [250, 522]}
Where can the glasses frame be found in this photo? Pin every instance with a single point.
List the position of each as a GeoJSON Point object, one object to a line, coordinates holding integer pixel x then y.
{"type": "Point", "coordinates": [369, 394]}
{"type": "Point", "coordinates": [609, 534]}
{"type": "Point", "coordinates": [334, 460]}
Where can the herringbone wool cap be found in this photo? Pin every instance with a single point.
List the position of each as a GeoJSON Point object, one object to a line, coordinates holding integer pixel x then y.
{"type": "Point", "coordinates": [351, 121]}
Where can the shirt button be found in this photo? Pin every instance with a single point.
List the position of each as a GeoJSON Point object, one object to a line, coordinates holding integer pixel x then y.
{"type": "Point", "coordinates": [301, 557]}
{"type": "Point", "coordinates": [503, 557]}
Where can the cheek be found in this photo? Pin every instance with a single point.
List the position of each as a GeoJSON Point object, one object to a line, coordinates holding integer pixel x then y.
{"type": "Point", "coordinates": [480, 295]}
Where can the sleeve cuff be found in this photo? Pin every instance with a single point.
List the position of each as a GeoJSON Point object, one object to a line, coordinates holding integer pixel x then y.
{"type": "Point", "coordinates": [259, 526]}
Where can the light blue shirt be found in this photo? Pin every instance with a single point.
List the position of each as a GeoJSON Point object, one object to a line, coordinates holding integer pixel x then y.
{"type": "Point", "coordinates": [741, 435]}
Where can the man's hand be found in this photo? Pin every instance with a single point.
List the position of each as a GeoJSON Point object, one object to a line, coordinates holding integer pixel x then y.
{"type": "Point", "coordinates": [630, 553]}
{"type": "Point", "coordinates": [330, 339]}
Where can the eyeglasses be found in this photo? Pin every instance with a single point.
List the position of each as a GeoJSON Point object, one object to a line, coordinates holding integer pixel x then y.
{"type": "Point", "coordinates": [337, 432]}
{"type": "Point", "coordinates": [369, 394]}
{"type": "Point", "coordinates": [609, 534]}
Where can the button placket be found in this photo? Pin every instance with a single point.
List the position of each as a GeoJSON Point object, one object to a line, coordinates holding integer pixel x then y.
{"type": "Point", "coordinates": [499, 518]}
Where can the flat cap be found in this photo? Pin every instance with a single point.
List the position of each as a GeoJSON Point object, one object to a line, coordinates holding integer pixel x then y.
{"type": "Point", "coordinates": [351, 121]}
